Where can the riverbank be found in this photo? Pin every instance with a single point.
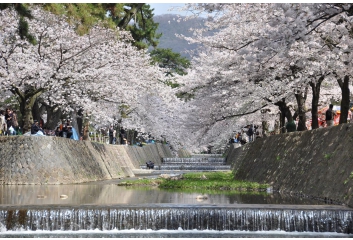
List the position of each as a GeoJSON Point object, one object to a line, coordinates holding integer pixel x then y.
{"type": "Point", "coordinates": [315, 164]}
{"type": "Point", "coordinates": [55, 160]}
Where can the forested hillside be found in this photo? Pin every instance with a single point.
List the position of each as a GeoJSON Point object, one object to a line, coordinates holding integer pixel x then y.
{"type": "Point", "coordinates": [169, 26]}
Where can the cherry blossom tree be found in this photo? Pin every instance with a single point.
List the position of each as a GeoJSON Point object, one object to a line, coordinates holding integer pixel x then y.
{"type": "Point", "coordinates": [276, 57]}
{"type": "Point", "coordinates": [268, 53]}
{"type": "Point", "coordinates": [94, 71]}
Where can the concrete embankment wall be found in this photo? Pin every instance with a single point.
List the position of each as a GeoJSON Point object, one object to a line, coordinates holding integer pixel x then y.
{"type": "Point", "coordinates": [52, 160]}
{"type": "Point", "coordinates": [316, 163]}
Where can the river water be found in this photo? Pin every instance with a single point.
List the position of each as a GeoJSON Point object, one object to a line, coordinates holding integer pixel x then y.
{"type": "Point", "coordinates": [87, 202]}
{"type": "Point", "coordinates": [110, 193]}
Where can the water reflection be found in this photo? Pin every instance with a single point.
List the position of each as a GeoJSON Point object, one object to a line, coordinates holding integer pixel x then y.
{"type": "Point", "coordinates": [99, 194]}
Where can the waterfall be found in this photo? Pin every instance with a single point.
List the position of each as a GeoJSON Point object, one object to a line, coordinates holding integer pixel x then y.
{"type": "Point", "coordinates": [189, 217]}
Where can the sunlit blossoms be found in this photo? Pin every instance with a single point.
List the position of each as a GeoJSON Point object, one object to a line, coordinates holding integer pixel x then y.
{"type": "Point", "coordinates": [258, 56]}
{"type": "Point", "coordinates": [93, 71]}
{"type": "Point", "coordinates": [257, 62]}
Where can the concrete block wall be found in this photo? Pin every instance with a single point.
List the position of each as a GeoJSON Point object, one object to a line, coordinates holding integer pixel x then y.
{"type": "Point", "coordinates": [151, 152]}
{"type": "Point", "coordinates": [53, 160]}
{"type": "Point", "coordinates": [316, 163]}
{"type": "Point", "coordinates": [183, 153]}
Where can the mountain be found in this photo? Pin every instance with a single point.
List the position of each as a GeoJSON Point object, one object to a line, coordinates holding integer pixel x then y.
{"type": "Point", "coordinates": [169, 26]}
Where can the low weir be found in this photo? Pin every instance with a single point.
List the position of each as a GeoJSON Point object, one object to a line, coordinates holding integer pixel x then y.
{"type": "Point", "coordinates": [288, 218]}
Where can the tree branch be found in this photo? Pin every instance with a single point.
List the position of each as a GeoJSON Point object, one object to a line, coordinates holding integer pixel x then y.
{"type": "Point", "coordinates": [240, 114]}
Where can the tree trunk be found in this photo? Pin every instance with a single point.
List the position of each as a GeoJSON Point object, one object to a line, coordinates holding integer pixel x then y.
{"type": "Point", "coordinates": [54, 114]}
{"type": "Point", "coordinates": [22, 110]}
{"type": "Point", "coordinates": [27, 114]}
{"type": "Point", "coordinates": [315, 102]}
{"type": "Point", "coordinates": [26, 100]}
{"type": "Point", "coordinates": [86, 130]}
{"type": "Point", "coordinates": [129, 14]}
{"type": "Point", "coordinates": [264, 128]}
{"type": "Point", "coordinates": [344, 85]}
{"type": "Point", "coordinates": [282, 122]}
{"type": "Point", "coordinates": [36, 111]}
{"type": "Point", "coordinates": [301, 110]}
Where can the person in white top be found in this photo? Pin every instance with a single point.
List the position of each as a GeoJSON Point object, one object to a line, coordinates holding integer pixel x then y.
{"type": "Point", "coordinates": [3, 125]}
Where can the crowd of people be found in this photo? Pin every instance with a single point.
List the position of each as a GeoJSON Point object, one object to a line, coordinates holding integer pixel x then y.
{"type": "Point", "coordinates": [247, 134]}
{"type": "Point", "coordinates": [64, 130]}
{"type": "Point", "coordinates": [8, 122]}
{"type": "Point", "coordinates": [326, 119]}
{"type": "Point", "coordinates": [122, 136]}
{"type": "Point", "coordinates": [9, 125]}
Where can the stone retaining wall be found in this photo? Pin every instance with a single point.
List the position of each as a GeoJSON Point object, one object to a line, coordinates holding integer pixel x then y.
{"type": "Point", "coordinates": [183, 153]}
{"type": "Point", "coordinates": [317, 163]}
{"type": "Point", "coordinates": [52, 160]}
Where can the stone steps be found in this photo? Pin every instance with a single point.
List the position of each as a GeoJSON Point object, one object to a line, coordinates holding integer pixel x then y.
{"type": "Point", "coordinates": [188, 167]}
{"type": "Point", "coordinates": [198, 162]}
{"type": "Point", "coordinates": [193, 160]}
{"type": "Point", "coordinates": [156, 167]}
{"type": "Point", "coordinates": [195, 167]}
{"type": "Point", "coordinates": [195, 163]}
{"type": "Point", "coordinates": [207, 155]}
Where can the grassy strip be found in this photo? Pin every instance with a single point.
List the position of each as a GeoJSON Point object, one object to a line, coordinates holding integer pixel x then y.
{"type": "Point", "coordinates": [201, 180]}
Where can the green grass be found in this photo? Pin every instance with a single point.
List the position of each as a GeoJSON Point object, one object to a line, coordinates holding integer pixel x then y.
{"type": "Point", "coordinates": [194, 181]}
{"type": "Point", "coordinates": [327, 156]}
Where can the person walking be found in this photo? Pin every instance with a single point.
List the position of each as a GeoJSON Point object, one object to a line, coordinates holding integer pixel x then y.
{"type": "Point", "coordinates": [9, 122]}
{"type": "Point", "coordinates": [114, 137]}
{"type": "Point", "coordinates": [330, 114]}
{"type": "Point", "coordinates": [15, 121]}
{"type": "Point", "coordinates": [291, 127]}
{"type": "Point", "coordinates": [250, 133]}
{"type": "Point", "coordinates": [111, 134]}
{"type": "Point", "coordinates": [122, 136]}
{"type": "Point", "coordinates": [3, 124]}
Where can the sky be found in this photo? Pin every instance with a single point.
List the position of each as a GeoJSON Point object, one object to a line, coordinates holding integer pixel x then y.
{"type": "Point", "coordinates": [162, 8]}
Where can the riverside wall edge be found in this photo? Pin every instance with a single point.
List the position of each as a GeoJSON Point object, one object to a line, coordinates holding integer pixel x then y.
{"type": "Point", "coordinates": [53, 160]}
{"type": "Point", "coordinates": [316, 163]}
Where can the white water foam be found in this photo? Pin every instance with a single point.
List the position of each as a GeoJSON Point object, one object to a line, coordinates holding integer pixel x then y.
{"type": "Point", "coordinates": [179, 231]}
